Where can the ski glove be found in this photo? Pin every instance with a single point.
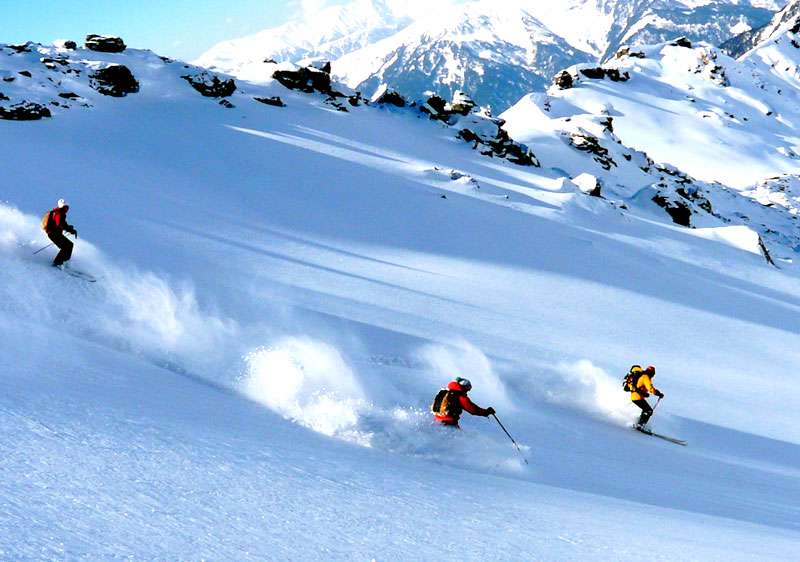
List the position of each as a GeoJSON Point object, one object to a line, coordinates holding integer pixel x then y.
{"type": "Point", "coordinates": [489, 412]}
{"type": "Point", "coordinates": [659, 394]}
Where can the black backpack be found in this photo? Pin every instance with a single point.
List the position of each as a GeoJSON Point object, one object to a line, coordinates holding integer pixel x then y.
{"type": "Point", "coordinates": [446, 403]}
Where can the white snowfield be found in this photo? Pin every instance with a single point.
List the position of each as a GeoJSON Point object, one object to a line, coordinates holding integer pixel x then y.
{"type": "Point", "coordinates": [281, 293]}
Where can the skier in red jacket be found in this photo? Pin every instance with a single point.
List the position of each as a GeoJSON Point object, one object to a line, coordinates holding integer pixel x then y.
{"type": "Point", "coordinates": [55, 225]}
{"type": "Point", "coordinates": [452, 401]}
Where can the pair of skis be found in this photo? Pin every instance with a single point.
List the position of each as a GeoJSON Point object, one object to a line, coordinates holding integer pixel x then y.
{"type": "Point", "coordinates": [664, 437]}
{"type": "Point", "coordinates": [78, 274]}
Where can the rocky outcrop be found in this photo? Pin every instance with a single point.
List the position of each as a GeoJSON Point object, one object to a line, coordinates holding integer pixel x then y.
{"type": "Point", "coordinates": [682, 42]}
{"type": "Point", "coordinates": [114, 80]}
{"type": "Point", "coordinates": [104, 44]}
{"type": "Point", "coordinates": [487, 136]}
{"type": "Point", "coordinates": [629, 52]}
{"type": "Point", "coordinates": [564, 80]}
{"type": "Point", "coordinates": [210, 85]}
{"type": "Point", "coordinates": [599, 73]}
{"type": "Point", "coordinates": [590, 144]}
{"type": "Point", "coordinates": [54, 63]}
{"type": "Point", "coordinates": [678, 210]}
{"type": "Point", "coordinates": [449, 112]}
{"type": "Point", "coordinates": [385, 96]}
{"type": "Point", "coordinates": [709, 68]}
{"type": "Point", "coordinates": [24, 111]}
{"type": "Point", "coordinates": [274, 101]}
{"type": "Point", "coordinates": [22, 48]}
{"type": "Point", "coordinates": [462, 104]}
{"type": "Point", "coordinates": [307, 80]}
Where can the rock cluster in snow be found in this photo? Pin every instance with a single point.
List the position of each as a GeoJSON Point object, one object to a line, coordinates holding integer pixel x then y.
{"type": "Point", "coordinates": [210, 85]}
{"type": "Point", "coordinates": [105, 44]}
{"type": "Point", "coordinates": [114, 80]}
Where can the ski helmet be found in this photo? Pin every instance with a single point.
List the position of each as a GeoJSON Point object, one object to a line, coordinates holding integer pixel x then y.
{"type": "Point", "coordinates": [464, 383]}
{"type": "Point", "coordinates": [650, 370]}
{"type": "Point", "coordinates": [62, 203]}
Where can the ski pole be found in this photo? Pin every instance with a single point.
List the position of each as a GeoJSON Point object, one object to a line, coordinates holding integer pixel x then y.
{"type": "Point", "coordinates": [42, 249]}
{"type": "Point", "coordinates": [509, 436]}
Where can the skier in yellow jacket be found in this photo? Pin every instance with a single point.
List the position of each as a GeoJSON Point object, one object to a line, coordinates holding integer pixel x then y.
{"type": "Point", "coordinates": [641, 386]}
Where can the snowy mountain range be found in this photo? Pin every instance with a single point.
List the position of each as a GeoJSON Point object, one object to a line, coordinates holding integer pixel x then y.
{"type": "Point", "coordinates": [287, 271]}
{"type": "Point", "coordinates": [496, 51]}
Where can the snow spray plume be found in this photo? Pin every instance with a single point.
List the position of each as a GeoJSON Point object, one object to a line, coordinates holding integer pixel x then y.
{"type": "Point", "coordinates": [310, 383]}
{"type": "Point", "coordinates": [584, 386]}
{"type": "Point", "coordinates": [462, 359]}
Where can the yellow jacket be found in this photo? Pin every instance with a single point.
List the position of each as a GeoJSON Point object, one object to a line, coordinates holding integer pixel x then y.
{"type": "Point", "coordinates": [644, 388]}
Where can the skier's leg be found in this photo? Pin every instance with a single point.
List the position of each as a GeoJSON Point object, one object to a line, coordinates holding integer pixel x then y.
{"type": "Point", "coordinates": [647, 411]}
{"type": "Point", "coordinates": [64, 247]}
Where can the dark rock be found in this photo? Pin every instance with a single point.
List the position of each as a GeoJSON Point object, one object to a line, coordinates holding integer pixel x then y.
{"type": "Point", "coordinates": [616, 76]}
{"type": "Point", "coordinates": [599, 73]}
{"type": "Point", "coordinates": [52, 63]}
{"type": "Point", "coordinates": [682, 42]}
{"type": "Point", "coordinates": [627, 52]}
{"type": "Point", "coordinates": [591, 145]}
{"type": "Point", "coordinates": [105, 44]}
{"type": "Point", "coordinates": [4, 97]}
{"type": "Point", "coordinates": [9, 79]}
{"type": "Point", "coordinates": [697, 197]}
{"type": "Point", "coordinates": [24, 111]}
{"type": "Point", "coordinates": [275, 101]}
{"type": "Point", "coordinates": [69, 96]}
{"type": "Point", "coordinates": [24, 48]}
{"type": "Point", "coordinates": [462, 104]}
{"type": "Point", "coordinates": [390, 97]}
{"type": "Point", "coordinates": [335, 103]}
{"type": "Point", "coordinates": [270, 61]}
{"type": "Point", "coordinates": [564, 80]}
{"type": "Point", "coordinates": [679, 212]}
{"type": "Point", "coordinates": [166, 60]}
{"type": "Point", "coordinates": [307, 80]}
{"type": "Point", "coordinates": [70, 45]}
{"type": "Point", "coordinates": [115, 80]}
{"type": "Point", "coordinates": [356, 99]}
{"type": "Point", "coordinates": [210, 85]}
{"type": "Point", "coordinates": [435, 106]}
{"type": "Point", "coordinates": [226, 104]}
{"type": "Point", "coordinates": [25, 73]}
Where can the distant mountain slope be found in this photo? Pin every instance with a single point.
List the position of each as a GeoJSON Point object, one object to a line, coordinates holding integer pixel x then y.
{"type": "Point", "coordinates": [496, 51]}
{"type": "Point", "coordinates": [742, 43]}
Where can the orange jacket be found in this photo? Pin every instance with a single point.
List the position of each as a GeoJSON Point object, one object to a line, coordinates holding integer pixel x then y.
{"type": "Point", "coordinates": [644, 388]}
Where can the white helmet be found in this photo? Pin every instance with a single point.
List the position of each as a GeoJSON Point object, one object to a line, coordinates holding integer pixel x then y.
{"type": "Point", "coordinates": [62, 203]}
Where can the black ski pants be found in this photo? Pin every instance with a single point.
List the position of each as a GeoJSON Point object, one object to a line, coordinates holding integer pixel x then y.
{"type": "Point", "coordinates": [63, 244]}
{"type": "Point", "coordinates": [647, 411]}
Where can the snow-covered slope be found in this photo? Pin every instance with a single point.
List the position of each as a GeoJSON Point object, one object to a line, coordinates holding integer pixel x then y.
{"type": "Point", "coordinates": [734, 122]}
{"type": "Point", "coordinates": [496, 51]}
{"type": "Point", "coordinates": [282, 291]}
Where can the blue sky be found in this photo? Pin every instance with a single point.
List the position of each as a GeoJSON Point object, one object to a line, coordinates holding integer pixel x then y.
{"type": "Point", "coordinates": [177, 28]}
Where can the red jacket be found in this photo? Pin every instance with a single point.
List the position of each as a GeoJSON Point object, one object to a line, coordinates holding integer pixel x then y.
{"type": "Point", "coordinates": [58, 220]}
{"type": "Point", "coordinates": [464, 403]}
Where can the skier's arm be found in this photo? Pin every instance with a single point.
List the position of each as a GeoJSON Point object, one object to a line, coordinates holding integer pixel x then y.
{"type": "Point", "coordinates": [473, 408]}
